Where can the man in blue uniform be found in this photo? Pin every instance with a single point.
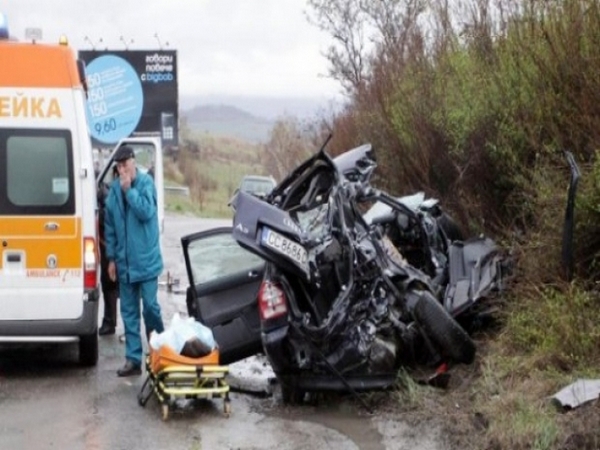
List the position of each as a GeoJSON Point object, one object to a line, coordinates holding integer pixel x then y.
{"type": "Point", "coordinates": [133, 251]}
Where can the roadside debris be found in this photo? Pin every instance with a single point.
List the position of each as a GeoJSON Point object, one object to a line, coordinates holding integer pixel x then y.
{"type": "Point", "coordinates": [439, 379]}
{"type": "Point", "coordinates": [577, 393]}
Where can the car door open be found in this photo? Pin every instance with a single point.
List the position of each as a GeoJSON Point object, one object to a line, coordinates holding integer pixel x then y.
{"type": "Point", "coordinates": [224, 279]}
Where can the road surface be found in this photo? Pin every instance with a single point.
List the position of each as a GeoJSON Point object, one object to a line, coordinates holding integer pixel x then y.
{"type": "Point", "coordinates": [48, 402]}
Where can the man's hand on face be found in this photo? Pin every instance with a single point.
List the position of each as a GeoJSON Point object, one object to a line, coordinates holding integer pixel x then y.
{"type": "Point", "coordinates": [124, 177]}
{"type": "Point", "coordinates": [125, 181]}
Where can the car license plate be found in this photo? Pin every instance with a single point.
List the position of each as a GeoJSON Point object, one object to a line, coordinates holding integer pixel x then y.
{"type": "Point", "coordinates": [286, 247]}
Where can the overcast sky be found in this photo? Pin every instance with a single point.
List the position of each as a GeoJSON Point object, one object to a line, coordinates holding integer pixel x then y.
{"type": "Point", "coordinates": [225, 47]}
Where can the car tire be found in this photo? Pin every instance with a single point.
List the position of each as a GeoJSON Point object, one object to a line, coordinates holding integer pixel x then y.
{"type": "Point", "coordinates": [444, 331]}
{"type": "Point", "coordinates": [88, 350]}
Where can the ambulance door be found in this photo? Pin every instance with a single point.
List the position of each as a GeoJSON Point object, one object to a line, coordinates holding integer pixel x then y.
{"type": "Point", "coordinates": [40, 226]}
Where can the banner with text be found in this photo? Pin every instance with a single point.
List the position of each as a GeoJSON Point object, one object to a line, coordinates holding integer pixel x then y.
{"type": "Point", "coordinates": [132, 93]}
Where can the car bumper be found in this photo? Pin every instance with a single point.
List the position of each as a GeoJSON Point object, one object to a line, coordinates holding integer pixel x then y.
{"type": "Point", "coordinates": [290, 375]}
{"type": "Point", "coordinates": [274, 349]}
{"type": "Point", "coordinates": [333, 382]}
{"type": "Point", "coordinates": [51, 330]}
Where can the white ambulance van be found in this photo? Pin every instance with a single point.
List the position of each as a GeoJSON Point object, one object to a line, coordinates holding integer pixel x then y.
{"type": "Point", "coordinates": [48, 231]}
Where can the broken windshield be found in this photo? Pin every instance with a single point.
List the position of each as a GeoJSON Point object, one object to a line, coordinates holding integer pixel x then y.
{"type": "Point", "coordinates": [313, 222]}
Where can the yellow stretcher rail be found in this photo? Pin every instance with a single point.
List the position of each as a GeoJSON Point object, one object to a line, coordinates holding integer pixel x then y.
{"type": "Point", "coordinates": [171, 376]}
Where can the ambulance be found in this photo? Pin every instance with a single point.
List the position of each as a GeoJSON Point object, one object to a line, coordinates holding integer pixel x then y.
{"type": "Point", "coordinates": [49, 278]}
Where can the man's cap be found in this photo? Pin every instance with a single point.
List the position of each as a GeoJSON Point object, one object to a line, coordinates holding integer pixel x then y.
{"type": "Point", "coordinates": [124, 153]}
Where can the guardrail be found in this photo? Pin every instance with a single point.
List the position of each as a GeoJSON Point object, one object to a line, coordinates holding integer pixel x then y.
{"type": "Point", "coordinates": [179, 191]}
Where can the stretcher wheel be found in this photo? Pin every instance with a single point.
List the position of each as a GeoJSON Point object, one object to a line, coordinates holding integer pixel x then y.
{"type": "Point", "coordinates": [165, 411]}
{"type": "Point", "coordinates": [227, 407]}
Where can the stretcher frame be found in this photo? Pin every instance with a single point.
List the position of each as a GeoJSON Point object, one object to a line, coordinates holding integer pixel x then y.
{"type": "Point", "coordinates": [171, 376]}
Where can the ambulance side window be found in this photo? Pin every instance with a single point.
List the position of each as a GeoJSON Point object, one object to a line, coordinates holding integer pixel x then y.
{"type": "Point", "coordinates": [37, 172]}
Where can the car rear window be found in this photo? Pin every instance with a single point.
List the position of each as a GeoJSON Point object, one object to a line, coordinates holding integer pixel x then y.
{"type": "Point", "coordinates": [36, 172]}
{"type": "Point", "coordinates": [257, 186]}
{"type": "Point", "coordinates": [217, 257]}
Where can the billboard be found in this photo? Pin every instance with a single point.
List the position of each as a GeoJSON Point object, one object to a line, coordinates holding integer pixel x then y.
{"type": "Point", "coordinates": [132, 93]}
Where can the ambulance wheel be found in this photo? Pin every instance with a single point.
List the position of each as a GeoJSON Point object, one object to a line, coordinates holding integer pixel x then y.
{"type": "Point", "coordinates": [88, 349]}
{"type": "Point", "coordinates": [165, 411]}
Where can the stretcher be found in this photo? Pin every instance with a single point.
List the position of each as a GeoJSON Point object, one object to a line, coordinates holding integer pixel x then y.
{"type": "Point", "coordinates": [171, 376]}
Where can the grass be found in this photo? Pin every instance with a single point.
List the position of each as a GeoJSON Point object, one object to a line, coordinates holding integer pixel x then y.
{"type": "Point", "coordinates": [410, 393]}
{"type": "Point", "coordinates": [212, 175]}
{"type": "Point", "coordinates": [560, 326]}
{"type": "Point", "coordinates": [549, 337]}
{"type": "Point", "coordinates": [214, 208]}
{"type": "Point", "coordinates": [515, 401]}
{"type": "Point", "coordinates": [548, 340]}
{"type": "Point", "coordinates": [181, 205]}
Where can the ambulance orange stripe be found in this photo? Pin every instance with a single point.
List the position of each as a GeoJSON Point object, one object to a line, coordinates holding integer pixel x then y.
{"type": "Point", "coordinates": [27, 235]}
{"type": "Point", "coordinates": [27, 65]}
{"type": "Point", "coordinates": [68, 253]}
{"type": "Point", "coordinates": [12, 226]}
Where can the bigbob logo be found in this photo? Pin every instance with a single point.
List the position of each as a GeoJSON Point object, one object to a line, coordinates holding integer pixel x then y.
{"type": "Point", "coordinates": [132, 93]}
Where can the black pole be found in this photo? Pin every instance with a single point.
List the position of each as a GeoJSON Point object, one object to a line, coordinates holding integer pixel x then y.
{"type": "Point", "coordinates": [569, 225]}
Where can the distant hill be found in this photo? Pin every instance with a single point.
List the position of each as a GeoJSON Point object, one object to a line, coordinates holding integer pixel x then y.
{"type": "Point", "coordinates": [226, 120]}
{"type": "Point", "coordinates": [267, 107]}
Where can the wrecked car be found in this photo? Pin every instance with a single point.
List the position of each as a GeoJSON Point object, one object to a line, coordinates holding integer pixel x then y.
{"type": "Point", "coordinates": [337, 282]}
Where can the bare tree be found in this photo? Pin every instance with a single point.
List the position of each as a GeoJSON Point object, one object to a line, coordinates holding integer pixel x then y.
{"type": "Point", "coordinates": [289, 144]}
{"type": "Point", "coordinates": [363, 30]}
{"type": "Point", "coordinates": [345, 21]}
{"type": "Point", "coordinates": [394, 21]}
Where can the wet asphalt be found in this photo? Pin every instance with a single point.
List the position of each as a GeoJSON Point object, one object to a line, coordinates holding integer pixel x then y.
{"type": "Point", "coordinates": [48, 402]}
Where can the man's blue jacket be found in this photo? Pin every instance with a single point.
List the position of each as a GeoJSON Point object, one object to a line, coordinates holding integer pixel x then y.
{"type": "Point", "coordinates": [131, 230]}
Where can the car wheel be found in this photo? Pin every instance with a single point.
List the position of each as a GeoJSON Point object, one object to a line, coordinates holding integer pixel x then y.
{"type": "Point", "coordinates": [88, 350]}
{"type": "Point", "coordinates": [444, 331]}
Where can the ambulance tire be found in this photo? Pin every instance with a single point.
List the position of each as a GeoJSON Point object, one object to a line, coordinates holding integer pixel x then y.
{"type": "Point", "coordinates": [88, 350]}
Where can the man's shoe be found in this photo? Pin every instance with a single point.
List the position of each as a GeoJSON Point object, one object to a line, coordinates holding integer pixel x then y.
{"type": "Point", "coordinates": [129, 370]}
{"type": "Point", "coordinates": [106, 329]}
